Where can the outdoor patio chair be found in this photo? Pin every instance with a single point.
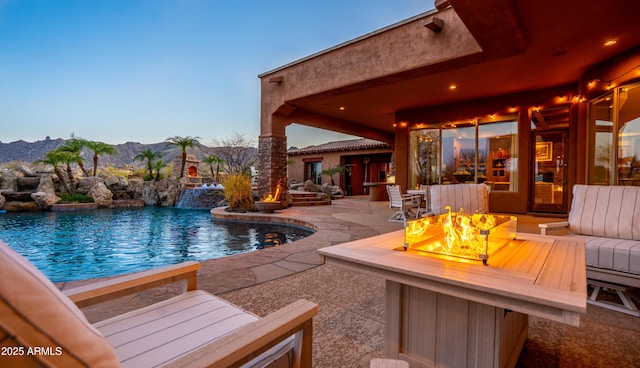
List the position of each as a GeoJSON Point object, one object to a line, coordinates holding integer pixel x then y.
{"type": "Point", "coordinates": [406, 204]}
{"type": "Point", "coordinates": [41, 326]}
{"type": "Point", "coordinates": [472, 198]}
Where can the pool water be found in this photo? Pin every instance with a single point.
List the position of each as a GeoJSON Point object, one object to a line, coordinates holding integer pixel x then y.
{"type": "Point", "coordinates": [78, 245]}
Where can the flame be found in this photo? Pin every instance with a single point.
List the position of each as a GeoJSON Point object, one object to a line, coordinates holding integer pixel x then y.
{"type": "Point", "coordinates": [273, 198]}
{"type": "Point", "coordinates": [454, 233]}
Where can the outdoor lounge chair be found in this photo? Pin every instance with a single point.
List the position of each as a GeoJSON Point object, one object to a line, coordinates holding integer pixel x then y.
{"type": "Point", "coordinates": [406, 204]}
{"type": "Point", "coordinates": [41, 326]}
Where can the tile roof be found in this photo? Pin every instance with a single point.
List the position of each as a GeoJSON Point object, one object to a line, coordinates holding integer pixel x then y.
{"type": "Point", "coordinates": [348, 145]}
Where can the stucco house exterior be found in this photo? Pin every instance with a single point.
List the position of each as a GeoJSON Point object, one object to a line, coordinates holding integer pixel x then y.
{"type": "Point", "coordinates": [364, 161]}
{"type": "Point", "coordinates": [530, 96]}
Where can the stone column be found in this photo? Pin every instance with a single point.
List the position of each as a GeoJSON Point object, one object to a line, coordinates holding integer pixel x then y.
{"type": "Point", "coordinates": [272, 166]}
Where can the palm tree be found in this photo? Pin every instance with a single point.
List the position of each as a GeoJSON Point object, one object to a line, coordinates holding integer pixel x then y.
{"type": "Point", "coordinates": [75, 145]}
{"type": "Point", "coordinates": [148, 155]}
{"type": "Point", "coordinates": [159, 165]}
{"type": "Point", "coordinates": [332, 171]}
{"type": "Point", "coordinates": [68, 158]}
{"type": "Point", "coordinates": [214, 160]}
{"type": "Point", "coordinates": [54, 158]}
{"type": "Point", "coordinates": [99, 148]}
{"type": "Point", "coordinates": [183, 142]}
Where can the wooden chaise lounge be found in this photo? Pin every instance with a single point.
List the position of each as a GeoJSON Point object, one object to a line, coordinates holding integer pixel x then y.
{"type": "Point", "coordinates": [42, 326]}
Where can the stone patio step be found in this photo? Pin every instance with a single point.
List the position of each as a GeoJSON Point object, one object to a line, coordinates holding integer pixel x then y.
{"type": "Point", "coordinates": [311, 203]}
{"type": "Point", "coordinates": [308, 199]}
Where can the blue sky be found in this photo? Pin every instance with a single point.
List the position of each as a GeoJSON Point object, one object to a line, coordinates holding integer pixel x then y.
{"type": "Point", "coordinates": [144, 70]}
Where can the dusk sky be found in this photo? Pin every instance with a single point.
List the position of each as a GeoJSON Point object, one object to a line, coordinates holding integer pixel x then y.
{"type": "Point", "coordinates": [145, 70]}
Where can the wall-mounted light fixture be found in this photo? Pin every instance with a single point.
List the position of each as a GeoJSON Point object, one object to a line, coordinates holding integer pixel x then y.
{"type": "Point", "coordinates": [278, 79]}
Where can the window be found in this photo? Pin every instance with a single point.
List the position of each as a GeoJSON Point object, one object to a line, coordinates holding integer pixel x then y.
{"type": "Point", "coordinates": [312, 171]}
{"type": "Point", "coordinates": [614, 138]}
{"type": "Point", "coordinates": [425, 145]}
{"type": "Point", "coordinates": [498, 153]}
{"type": "Point", "coordinates": [629, 136]}
{"type": "Point", "coordinates": [472, 152]}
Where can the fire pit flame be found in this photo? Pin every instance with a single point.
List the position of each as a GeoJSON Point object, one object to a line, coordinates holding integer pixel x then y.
{"type": "Point", "coordinates": [459, 234]}
{"type": "Point", "coordinates": [273, 198]}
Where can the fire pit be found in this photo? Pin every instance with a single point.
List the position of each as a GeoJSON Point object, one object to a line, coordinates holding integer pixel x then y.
{"type": "Point", "coordinates": [461, 235]}
{"type": "Point", "coordinates": [269, 203]}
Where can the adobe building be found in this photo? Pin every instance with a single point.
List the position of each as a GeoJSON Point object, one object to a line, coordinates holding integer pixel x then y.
{"type": "Point", "coordinates": [366, 161]}
{"type": "Point", "coordinates": [528, 96]}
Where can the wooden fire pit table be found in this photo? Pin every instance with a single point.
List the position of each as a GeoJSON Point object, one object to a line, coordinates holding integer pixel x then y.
{"type": "Point", "coordinates": [444, 312]}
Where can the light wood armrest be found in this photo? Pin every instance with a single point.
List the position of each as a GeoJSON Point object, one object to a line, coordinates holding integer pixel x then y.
{"type": "Point", "coordinates": [255, 338]}
{"type": "Point", "coordinates": [116, 287]}
{"type": "Point", "coordinates": [552, 225]}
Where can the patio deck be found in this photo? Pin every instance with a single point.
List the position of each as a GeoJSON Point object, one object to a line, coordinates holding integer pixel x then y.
{"type": "Point", "coordinates": [349, 330]}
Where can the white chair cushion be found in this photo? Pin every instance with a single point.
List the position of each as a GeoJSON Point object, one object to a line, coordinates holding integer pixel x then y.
{"type": "Point", "coordinates": [35, 314]}
{"type": "Point", "coordinates": [473, 198]}
{"type": "Point", "coordinates": [614, 254]}
{"type": "Point", "coordinates": [606, 211]}
{"type": "Point", "coordinates": [160, 333]}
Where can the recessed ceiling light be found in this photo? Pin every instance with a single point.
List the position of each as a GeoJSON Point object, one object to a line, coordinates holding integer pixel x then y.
{"type": "Point", "coordinates": [341, 108]}
{"type": "Point", "coordinates": [610, 42]}
{"type": "Point", "coordinates": [452, 87]}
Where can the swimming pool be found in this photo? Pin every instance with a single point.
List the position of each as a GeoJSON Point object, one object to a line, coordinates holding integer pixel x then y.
{"type": "Point", "coordinates": [78, 245]}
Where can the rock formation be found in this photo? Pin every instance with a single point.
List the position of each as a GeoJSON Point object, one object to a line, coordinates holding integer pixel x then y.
{"type": "Point", "coordinates": [45, 200]}
{"type": "Point", "coordinates": [168, 191]}
{"type": "Point", "coordinates": [84, 185]}
{"type": "Point", "coordinates": [149, 194]}
{"type": "Point", "coordinates": [15, 206]}
{"type": "Point", "coordinates": [101, 195]}
{"type": "Point", "coordinates": [46, 185]}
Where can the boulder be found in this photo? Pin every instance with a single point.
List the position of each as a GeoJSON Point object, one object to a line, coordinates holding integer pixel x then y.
{"type": "Point", "coordinates": [135, 189]}
{"type": "Point", "coordinates": [84, 185]}
{"type": "Point", "coordinates": [26, 171]}
{"type": "Point", "coordinates": [168, 191]}
{"type": "Point", "coordinates": [8, 180]}
{"type": "Point", "coordinates": [309, 186]}
{"type": "Point", "coordinates": [22, 206]}
{"type": "Point", "coordinates": [134, 180]}
{"type": "Point", "coordinates": [122, 182]}
{"type": "Point", "coordinates": [2, 201]}
{"type": "Point", "coordinates": [149, 194]}
{"type": "Point", "coordinates": [331, 190]}
{"type": "Point", "coordinates": [45, 200]}
{"type": "Point", "coordinates": [101, 195]}
{"type": "Point", "coordinates": [46, 185]}
{"type": "Point", "coordinates": [110, 180]}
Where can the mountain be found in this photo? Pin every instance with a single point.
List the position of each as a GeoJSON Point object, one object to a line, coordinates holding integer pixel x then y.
{"type": "Point", "coordinates": [29, 152]}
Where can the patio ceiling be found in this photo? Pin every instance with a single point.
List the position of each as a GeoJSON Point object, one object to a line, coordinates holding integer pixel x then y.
{"type": "Point", "coordinates": [562, 40]}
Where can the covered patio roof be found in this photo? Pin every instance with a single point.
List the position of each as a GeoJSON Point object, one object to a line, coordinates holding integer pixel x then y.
{"type": "Point", "coordinates": [485, 49]}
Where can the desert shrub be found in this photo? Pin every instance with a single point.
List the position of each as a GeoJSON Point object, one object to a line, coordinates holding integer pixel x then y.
{"type": "Point", "coordinates": [237, 192]}
{"type": "Point", "coordinates": [75, 198]}
{"type": "Point", "coordinates": [118, 171]}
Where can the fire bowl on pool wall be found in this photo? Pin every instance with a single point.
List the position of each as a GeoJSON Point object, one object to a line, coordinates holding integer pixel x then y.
{"type": "Point", "coordinates": [267, 207]}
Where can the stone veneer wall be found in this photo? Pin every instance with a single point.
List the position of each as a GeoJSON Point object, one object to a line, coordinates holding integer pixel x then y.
{"type": "Point", "coordinates": [272, 156]}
